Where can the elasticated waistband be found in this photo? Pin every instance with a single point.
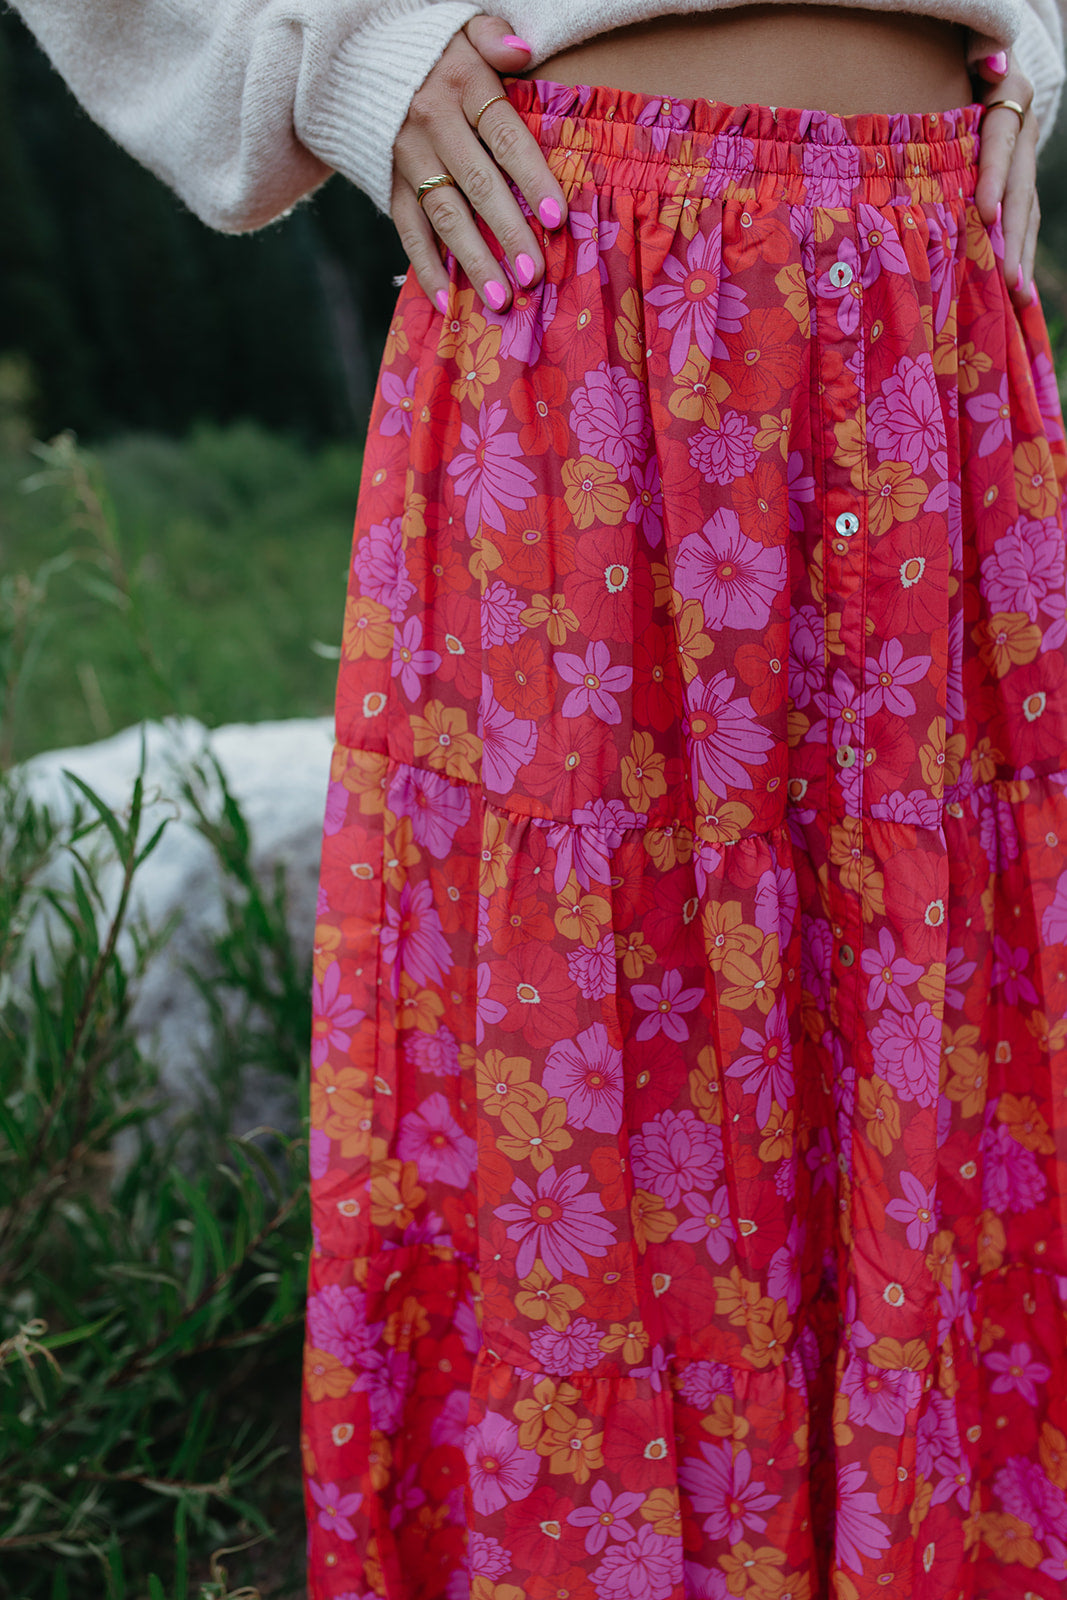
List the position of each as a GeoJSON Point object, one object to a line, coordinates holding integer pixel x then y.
{"type": "Point", "coordinates": [614, 138]}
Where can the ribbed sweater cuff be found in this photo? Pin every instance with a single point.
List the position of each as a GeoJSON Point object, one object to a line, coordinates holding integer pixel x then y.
{"type": "Point", "coordinates": [1041, 59]}
{"type": "Point", "coordinates": [364, 97]}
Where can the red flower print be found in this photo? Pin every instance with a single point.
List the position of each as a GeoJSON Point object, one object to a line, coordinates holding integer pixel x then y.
{"type": "Point", "coordinates": [533, 986]}
{"type": "Point", "coordinates": [537, 397]}
{"type": "Point", "coordinates": [521, 679]}
{"type": "Point", "coordinates": [765, 354]}
{"type": "Point", "coordinates": [909, 575]}
{"type": "Point", "coordinates": [537, 549]}
{"type": "Point", "coordinates": [916, 890]}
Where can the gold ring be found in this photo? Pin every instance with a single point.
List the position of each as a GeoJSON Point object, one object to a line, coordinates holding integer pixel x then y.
{"type": "Point", "coordinates": [1010, 105]}
{"type": "Point", "coordinates": [485, 108]}
{"type": "Point", "coordinates": [442, 181]}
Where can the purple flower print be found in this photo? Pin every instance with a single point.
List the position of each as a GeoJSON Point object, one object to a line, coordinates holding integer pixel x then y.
{"type": "Point", "coordinates": [1054, 916]}
{"type": "Point", "coordinates": [596, 679]}
{"type": "Point", "coordinates": [594, 970]}
{"type": "Point", "coordinates": [735, 578]}
{"type": "Point", "coordinates": [830, 287]}
{"type": "Point", "coordinates": [703, 1381]}
{"type": "Point", "coordinates": [905, 420]}
{"type": "Point", "coordinates": [766, 1064]}
{"type": "Point", "coordinates": [1048, 396]}
{"type": "Point", "coordinates": [777, 901]}
{"type": "Point", "coordinates": [318, 1153]}
{"type": "Point", "coordinates": [801, 490]}
{"type": "Point", "coordinates": [1009, 970]}
{"type": "Point", "coordinates": [842, 706]}
{"type": "Point", "coordinates": [1055, 1566]}
{"type": "Point", "coordinates": [708, 1223]}
{"type": "Point", "coordinates": [666, 1005]}
{"type": "Point", "coordinates": [907, 1052]}
{"type": "Point", "coordinates": [723, 734]}
{"type": "Point", "coordinates": [783, 1269]}
{"type": "Point", "coordinates": [584, 846]}
{"type": "Point", "coordinates": [880, 244]}
{"type": "Point", "coordinates": [919, 808]}
{"type": "Point", "coordinates": [702, 1584]}
{"type": "Point", "coordinates": [593, 237]}
{"type": "Point", "coordinates": [816, 948]}
{"type": "Point", "coordinates": [336, 808]}
{"type": "Point", "coordinates": [1012, 1180]}
{"type": "Point", "coordinates": [676, 1152]}
{"type": "Point", "coordinates": [888, 672]}
{"type": "Point", "coordinates": [501, 609]}
{"type": "Point", "coordinates": [383, 573]}
{"type": "Point", "coordinates": [436, 807]}
{"type": "Point", "coordinates": [412, 938]}
{"type": "Point", "coordinates": [490, 470]}
{"type": "Point", "coordinates": [1026, 1492]}
{"type": "Point", "coordinates": [386, 1381]}
{"type": "Point", "coordinates": [691, 301]}
{"type": "Point", "coordinates": [523, 325]}
{"type": "Point", "coordinates": [571, 1349]}
{"type": "Point", "coordinates": [721, 1492]}
{"type": "Point", "coordinates": [992, 413]}
{"type": "Point", "coordinates": [450, 1423]}
{"type": "Point", "coordinates": [859, 1530]}
{"type": "Point", "coordinates": [508, 742]}
{"type": "Point", "coordinates": [1025, 564]}
{"type": "Point", "coordinates": [646, 510]}
{"type": "Point", "coordinates": [807, 662]}
{"type": "Point", "coordinates": [831, 165]}
{"type": "Point", "coordinates": [334, 1014]}
{"type": "Point", "coordinates": [337, 1323]}
{"type": "Point", "coordinates": [916, 1209]}
{"type": "Point", "coordinates": [489, 1012]}
{"type": "Point", "coordinates": [724, 453]}
{"type": "Point", "coordinates": [647, 1567]}
{"type": "Point", "coordinates": [958, 974]}
{"type": "Point", "coordinates": [657, 1368]}
{"type": "Point", "coordinates": [586, 1072]}
{"type": "Point", "coordinates": [1018, 1371]}
{"type": "Point", "coordinates": [410, 660]}
{"type": "Point", "coordinates": [400, 403]}
{"type": "Point", "coordinates": [609, 417]}
{"type": "Point", "coordinates": [335, 1508]}
{"type": "Point", "coordinates": [500, 1469]}
{"type": "Point", "coordinates": [486, 1556]}
{"type": "Point", "coordinates": [606, 1516]}
{"type": "Point", "coordinates": [878, 1398]}
{"type": "Point", "coordinates": [558, 1223]}
{"type": "Point", "coordinates": [432, 1138]}
{"type": "Point", "coordinates": [889, 973]}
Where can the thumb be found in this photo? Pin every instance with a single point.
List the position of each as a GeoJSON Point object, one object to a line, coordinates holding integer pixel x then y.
{"type": "Point", "coordinates": [497, 45]}
{"type": "Point", "coordinates": [986, 59]}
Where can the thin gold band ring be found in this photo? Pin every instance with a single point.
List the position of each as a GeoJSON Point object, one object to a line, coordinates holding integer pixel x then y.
{"type": "Point", "coordinates": [443, 180]}
{"type": "Point", "coordinates": [485, 108]}
{"type": "Point", "coordinates": [1009, 105]}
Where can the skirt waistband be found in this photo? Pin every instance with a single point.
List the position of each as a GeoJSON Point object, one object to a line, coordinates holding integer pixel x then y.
{"type": "Point", "coordinates": [616, 138]}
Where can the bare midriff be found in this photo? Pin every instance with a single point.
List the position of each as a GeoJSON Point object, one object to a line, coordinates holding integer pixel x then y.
{"type": "Point", "coordinates": [820, 57]}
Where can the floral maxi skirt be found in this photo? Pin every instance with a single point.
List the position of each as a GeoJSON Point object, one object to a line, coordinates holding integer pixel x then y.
{"type": "Point", "coordinates": [689, 1132]}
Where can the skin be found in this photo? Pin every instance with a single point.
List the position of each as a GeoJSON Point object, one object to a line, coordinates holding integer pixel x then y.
{"type": "Point", "coordinates": [762, 54]}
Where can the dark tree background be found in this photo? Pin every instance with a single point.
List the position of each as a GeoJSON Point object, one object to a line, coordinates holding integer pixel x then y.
{"type": "Point", "coordinates": [133, 315]}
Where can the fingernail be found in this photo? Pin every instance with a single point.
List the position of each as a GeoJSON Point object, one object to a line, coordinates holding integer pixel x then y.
{"type": "Point", "coordinates": [513, 42]}
{"type": "Point", "coordinates": [996, 219]}
{"type": "Point", "coordinates": [1020, 282]}
{"type": "Point", "coordinates": [997, 63]}
{"type": "Point", "coordinates": [550, 213]}
{"type": "Point", "coordinates": [495, 294]}
{"type": "Point", "coordinates": [1033, 291]}
{"type": "Point", "coordinates": [442, 301]}
{"type": "Point", "coordinates": [525, 267]}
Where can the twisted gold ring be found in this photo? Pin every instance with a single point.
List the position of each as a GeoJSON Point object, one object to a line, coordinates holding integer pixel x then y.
{"type": "Point", "coordinates": [1010, 105]}
{"type": "Point", "coordinates": [443, 180]}
{"type": "Point", "coordinates": [485, 108]}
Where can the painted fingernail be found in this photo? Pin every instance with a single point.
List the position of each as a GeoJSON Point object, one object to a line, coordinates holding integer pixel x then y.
{"type": "Point", "coordinates": [1033, 291]}
{"type": "Point", "coordinates": [513, 42]}
{"type": "Point", "coordinates": [495, 293]}
{"type": "Point", "coordinates": [1020, 282]}
{"type": "Point", "coordinates": [525, 267]}
{"type": "Point", "coordinates": [997, 63]}
{"type": "Point", "coordinates": [442, 301]}
{"type": "Point", "coordinates": [996, 219]}
{"type": "Point", "coordinates": [550, 213]}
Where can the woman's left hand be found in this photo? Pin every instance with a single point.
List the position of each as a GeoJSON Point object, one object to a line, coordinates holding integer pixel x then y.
{"type": "Point", "coordinates": [1007, 165]}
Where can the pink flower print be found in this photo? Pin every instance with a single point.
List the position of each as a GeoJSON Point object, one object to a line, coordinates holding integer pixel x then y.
{"type": "Point", "coordinates": [1055, 1566]}
{"type": "Point", "coordinates": [888, 673]}
{"type": "Point", "coordinates": [1054, 916]}
{"type": "Point", "coordinates": [400, 402]}
{"type": "Point", "coordinates": [666, 1005]}
{"type": "Point", "coordinates": [333, 1015]}
{"type": "Point", "coordinates": [1048, 396]}
{"type": "Point", "coordinates": [584, 845]}
{"type": "Point", "coordinates": [847, 294]}
{"type": "Point", "coordinates": [337, 1323]}
{"type": "Point", "coordinates": [386, 1381]}
{"type": "Point", "coordinates": [594, 970]}
{"type": "Point", "coordinates": [992, 413]}
{"type": "Point", "coordinates": [958, 974]}
{"type": "Point", "coordinates": [878, 1398]}
{"type": "Point", "coordinates": [336, 808]}
{"type": "Point", "coordinates": [659, 1365]}
{"type": "Point", "coordinates": [500, 612]}
{"type": "Point", "coordinates": [842, 706]}
{"type": "Point", "coordinates": [574, 1348]}
{"type": "Point", "coordinates": [437, 808]}
{"type": "Point", "coordinates": [383, 574]}
{"type": "Point", "coordinates": [1009, 970]}
{"type": "Point", "coordinates": [523, 325]}
{"type": "Point", "coordinates": [489, 1012]}
{"type": "Point", "coordinates": [410, 660]}
{"type": "Point", "coordinates": [831, 166]}
{"type": "Point", "coordinates": [724, 453]}
{"type": "Point", "coordinates": [674, 1153]}
{"type": "Point", "coordinates": [801, 490]}
{"type": "Point", "coordinates": [708, 1223]}
{"type": "Point", "coordinates": [559, 1224]}
{"type": "Point", "coordinates": [919, 808]}
{"type": "Point", "coordinates": [766, 1064]}
{"type": "Point", "coordinates": [586, 1072]}
{"type": "Point", "coordinates": [486, 1556]}
{"type": "Point", "coordinates": [783, 1269]}
{"type": "Point", "coordinates": [433, 1052]}
{"type": "Point", "coordinates": [807, 662]}
{"type": "Point", "coordinates": [916, 1209]}
{"type": "Point", "coordinates": [1026, 1492]}
{"type": "Point", "coordinates": [489, 470]}
{"type": "Point", "coordinates": [597, 682]}
{"type": "Point", "coordinates": [889, 973]}
{"type": "Point", "coordinates": [593, 238]}
{"type": "Point", "coordinates": [721, 1491]}
{"type": "Point", "coordinates": [318, 1153]}
{"type": "Point", "coordinates": [907, 1053]}
{"type": "Point", "coordinates": [881, 245]}
{"type": "Point", "coordinates": [735, 578]}
{"type": "Point", "coordinates": [723, 735]}
{"type": "Point", "coordinates": [500, 1469]}
{"type": "Point", "coordinates": [663, 117]}
{"type": "Point", "coordinates": [816, 955]}
{"type": "Point", "coordinates": [691, 302]}
{"type": "Point", "coordinates": [508, 742]}
{"type": "Point", "coordinates": [646, 508]}
{"type": "Point", "coordinates": [609, 418]}
{"type": "Point", "coordinates": [703, 1381]}
{"type": "Point", "coordinates": [412, 938]}
{"type": "Point", "coordinates": [1026, 562]}
{"type": "Point", "coordinates": [1012, 1180]}
{"type": "Point", "coordinates": [432, 1138]}
{"type": "Point", "coordinates": [335, 1508]}
{"type": "Point", "coordinates": [858, 1529]}
{"type": "Point", "coordinates": [606, 1515]}
{"type": "Point", "coordinates": [647, 1567]}
{"type": "Point", "coordinates": [1017, 1370]}
{"type": "Point", "coordinates": [905, 420]}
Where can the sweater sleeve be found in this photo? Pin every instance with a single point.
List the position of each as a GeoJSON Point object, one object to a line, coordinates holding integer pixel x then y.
{"type": "Point", "coordinates": [244, 106]}
{"type": "Point", "coordinates": [1038, 52]}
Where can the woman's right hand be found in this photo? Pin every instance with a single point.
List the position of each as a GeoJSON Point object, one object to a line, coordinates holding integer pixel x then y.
{"type": "Point", "coordinates": [438, 136]}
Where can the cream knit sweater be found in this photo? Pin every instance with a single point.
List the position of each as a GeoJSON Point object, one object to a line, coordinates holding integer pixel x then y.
{"type": "Point", "coordinates": [243, 106]}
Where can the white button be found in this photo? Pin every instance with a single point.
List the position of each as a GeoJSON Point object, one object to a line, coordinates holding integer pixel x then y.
{"type": "Point", "coordinates": [847, 523]}
{"type": "Point", "coordinates": [845, 755]}
{"type": "Point", "coordinates": [840, 274]}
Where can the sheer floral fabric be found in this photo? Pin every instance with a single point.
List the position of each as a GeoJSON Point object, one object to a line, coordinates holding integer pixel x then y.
{"type": "Point", "coordinates": [689, 1137]}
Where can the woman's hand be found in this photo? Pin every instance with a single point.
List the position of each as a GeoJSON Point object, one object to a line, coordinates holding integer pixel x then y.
{"type": "Point", "coordinates": [438, 136]}
{"type": "Point", "coordinates": [1008, 163]}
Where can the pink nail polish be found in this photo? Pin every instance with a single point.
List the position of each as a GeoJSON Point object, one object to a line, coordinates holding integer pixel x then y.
{"type": "Point", "coordinates": [513, 42]}
{"type": "Point", "coordinates": [1020, 282]}
{"type": "Point", "coordinates": [495, 293]}
{"type": "Point", "coordinates": [550, 213]}
{"type": "Point", "coordinates": [525, 267]}
{"type": "Point", "coordinates": [996, 219]}
{"type": "Point", "coordinates": [997, 63]}
{"type": "Point", "coordinates": [1033, 291]}
{"type": "Point", "coordinates": [442, 301]}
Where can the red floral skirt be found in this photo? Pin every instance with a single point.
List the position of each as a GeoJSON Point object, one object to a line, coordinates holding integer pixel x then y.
{"type": "Point", "coordinates": [689, 1139]}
